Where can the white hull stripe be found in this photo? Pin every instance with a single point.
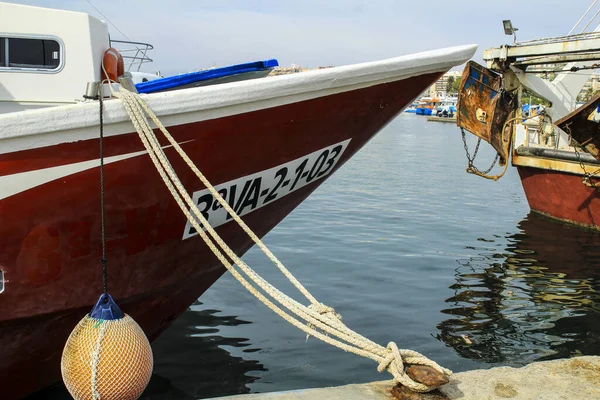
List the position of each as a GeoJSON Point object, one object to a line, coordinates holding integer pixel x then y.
{"type": "Point", "coordinates": [17, 183]}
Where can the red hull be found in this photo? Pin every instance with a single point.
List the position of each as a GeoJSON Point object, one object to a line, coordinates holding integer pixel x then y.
{"type": "Point", "coordinates": [561, 195]}
{"type": "Point", "coordinates": [50, 234]}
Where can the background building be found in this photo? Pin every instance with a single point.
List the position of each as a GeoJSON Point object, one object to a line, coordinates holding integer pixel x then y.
{"type": "Point", "coordinates": [440, 88]}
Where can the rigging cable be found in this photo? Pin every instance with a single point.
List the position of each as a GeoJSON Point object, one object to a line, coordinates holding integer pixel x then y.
{"type": "Point", "coordinates": [591, 20]}
{"type": "Point", "coordinates": [109, 21]}
{"type": "Point", "coordinates": [582, 17]}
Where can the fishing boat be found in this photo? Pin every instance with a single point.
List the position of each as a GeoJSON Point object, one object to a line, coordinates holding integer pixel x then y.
{"type": "Point", "coordinates": [426, 105]}
{"type": "Point", "coordinates": [265, 142]}
{"type": "Point", "coordinates": [447, 104]}
{"type": "Point", "coordinates": [555, 148]}
{"type": "Point", "coordinates": [436, 105]}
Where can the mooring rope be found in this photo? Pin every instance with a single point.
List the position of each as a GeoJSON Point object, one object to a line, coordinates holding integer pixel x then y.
{"type": "Point", "coordinates": [316, 315]}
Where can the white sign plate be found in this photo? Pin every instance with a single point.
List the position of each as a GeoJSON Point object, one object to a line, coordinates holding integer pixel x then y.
{"type": "Point", "coordinates": [254, 191]}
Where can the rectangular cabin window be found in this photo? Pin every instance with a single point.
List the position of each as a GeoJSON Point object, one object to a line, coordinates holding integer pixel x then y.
{"type": "Point", "coordinates": [33, 53]}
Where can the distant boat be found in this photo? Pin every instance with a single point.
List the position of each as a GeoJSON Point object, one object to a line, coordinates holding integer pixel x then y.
{"type": "Point", "coordinates": [427, 105]}
{"type": "Point", "coordinates": [447, 104]}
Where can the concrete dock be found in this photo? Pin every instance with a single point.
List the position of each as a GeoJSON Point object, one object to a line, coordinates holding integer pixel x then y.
{"type": "Point", "coordinates": [442, 119]}
{"type": "Point", "coordinates": [575, 378]}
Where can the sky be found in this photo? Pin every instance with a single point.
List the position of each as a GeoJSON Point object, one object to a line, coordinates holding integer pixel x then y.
{"type": "Point", "coordinates": [192, 34]}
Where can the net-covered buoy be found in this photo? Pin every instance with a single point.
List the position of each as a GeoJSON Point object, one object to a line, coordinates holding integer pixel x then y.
{"type": "Point", "coordinates": [107, 356]}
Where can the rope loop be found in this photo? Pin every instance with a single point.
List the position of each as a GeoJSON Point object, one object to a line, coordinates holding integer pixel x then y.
{"type": "Point", "coordinates": [396, 359]}
{"type": "Point", "coordinates": [393, 356]}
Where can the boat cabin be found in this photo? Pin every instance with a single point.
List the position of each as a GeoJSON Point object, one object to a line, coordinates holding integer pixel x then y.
{"type": "Point", "coordinates": [47, 56]}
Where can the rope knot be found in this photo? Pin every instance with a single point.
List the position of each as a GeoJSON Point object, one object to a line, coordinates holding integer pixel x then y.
{"type": "Point", "coordinates": [325, 311]}
{"type": "Point", "coordinates": [395, 360]}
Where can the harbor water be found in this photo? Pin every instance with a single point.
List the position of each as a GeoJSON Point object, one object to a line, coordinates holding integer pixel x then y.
{"type": "Point", "coordinates": [409, 248]}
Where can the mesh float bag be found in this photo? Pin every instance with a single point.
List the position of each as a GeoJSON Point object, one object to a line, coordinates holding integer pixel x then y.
{"type": "Point", "coordinates": [107, 356]}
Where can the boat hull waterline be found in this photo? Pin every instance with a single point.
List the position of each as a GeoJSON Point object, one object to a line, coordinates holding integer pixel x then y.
{"type": "Point", "coordinates": [545, 192]}
{"type": "Point", "coordinates": [265, 162]}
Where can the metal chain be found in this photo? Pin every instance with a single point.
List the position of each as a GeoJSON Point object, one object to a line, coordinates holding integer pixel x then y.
{"type": "Point", "coordinates": [464, 138]}
{"type": "Point", "coordinates": [103, 260]}
{"type": "Point", "coordinates": [586, 175]}
{"type": "Point", "coordinates": [474, 170]}
{"type": "Point", "coordinates": [471, 160]}
{"type": "Point", "coordinates": [493, 163]}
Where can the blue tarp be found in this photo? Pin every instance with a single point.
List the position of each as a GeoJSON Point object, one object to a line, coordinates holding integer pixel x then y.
{"type": "Point", "coordinates": [171, 82]}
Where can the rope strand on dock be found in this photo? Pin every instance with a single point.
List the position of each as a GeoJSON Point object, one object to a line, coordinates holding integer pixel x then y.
{"type": "Point", "coordinates": [321, 321]}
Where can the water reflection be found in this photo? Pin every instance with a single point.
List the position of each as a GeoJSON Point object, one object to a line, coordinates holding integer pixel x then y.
{"type": "Point", "coordinates": [190, 361]}
{"type": "Point", "coordinates": [192, 356]}
{"type": "Point", "coordinates": [537, 299]}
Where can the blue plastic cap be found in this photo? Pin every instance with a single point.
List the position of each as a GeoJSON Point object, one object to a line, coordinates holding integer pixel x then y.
{"type": "Point", "coordinates": [106, 309]}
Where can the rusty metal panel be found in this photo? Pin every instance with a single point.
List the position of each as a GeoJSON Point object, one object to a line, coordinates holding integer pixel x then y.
{"type": "Point", "coordinates": [582, 127]}
{"type": "Point", "coordinates": [483, 106]}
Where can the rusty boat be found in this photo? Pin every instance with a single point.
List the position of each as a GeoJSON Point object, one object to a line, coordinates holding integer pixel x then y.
{"type": "Point", "coordinates": [556, 147]}
{"type": "Point", "coordinates": [266, 141]}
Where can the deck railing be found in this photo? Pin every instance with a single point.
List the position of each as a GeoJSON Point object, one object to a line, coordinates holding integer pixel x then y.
{"type": "Point", "coordinates": [135, 54]}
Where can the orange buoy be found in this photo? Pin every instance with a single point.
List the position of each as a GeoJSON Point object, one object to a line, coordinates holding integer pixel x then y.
{"type": "Point", "coordinates": [107, 356]}
{"type": "Point", "coordinates": [113, 65]}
